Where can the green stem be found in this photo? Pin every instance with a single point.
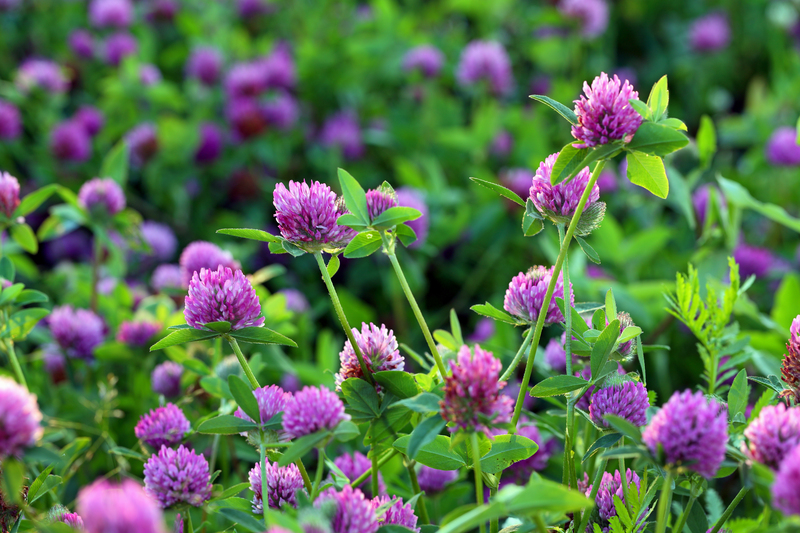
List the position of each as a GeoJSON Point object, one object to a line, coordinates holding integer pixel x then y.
{"type": "Point", "coordinates": [337, 306]}
{"type": "Point", "coordinates": [421, 509]}
{"type": "Point", "coordinates": [96, 254]}
{"type": "Point", "coordinates": [242, 361]}
{"type": "Point", "coordinates": [569, 474]}
{"type": "Point", "coordinates": [388, 248]}
{"type": "Point", "coordinates": [541, 527]}
{"type": "Point", "coordinates": [663, 504]}
{"type": "Point", "coordinates": [494, 523]}
{"type": "Point", "coordinates": [383, 460]}
{"type": "Point", "coordinates": [685, 514]}
{"type": "Point", "coordinates": [598, 476]}
{"type": "Point", "coordinates": [476, 459]}
{"type": "Point", "coordinates": [518, 357]}
{"type": "Point", "coordinates": [264, 485]}
{"type": "Point", "coordinates": [12, 356]}
{"type": "Point", "coordinates": [729, 511]}
{"type": "Point", "coordinates": [304, 475]}
{"type": "Point", "coordinates": [548, 296]}
{"type": "Point", "coordinates": [623, 474]}
{"type": "Point", "coordinates": [375, 470]}
{"type": "Point", "coordinates": [320, 469]}
{"type": "Point", "coordinates": [189, 527]}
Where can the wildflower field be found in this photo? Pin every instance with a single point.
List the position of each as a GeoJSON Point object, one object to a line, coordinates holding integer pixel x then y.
{"type": "Point", "coordinates": [386, 266]}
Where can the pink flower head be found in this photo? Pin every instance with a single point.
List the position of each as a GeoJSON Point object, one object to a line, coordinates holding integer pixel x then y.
{"type": "Point", "coordinates": [77, 331]}
{"type": "Point", "coordinates": [164, 426]}
{"type": "Point", "coordinates": [108, 507]}
{"type": "Point", "coordinates": [20, 418]}
{"type": "Point", "coordinates": [426, 59]}
{"type": "Point", "coordinates": [786, 487]}
{"type": "Point", "coordinates": [525, 295]}
{"type": "Point", "coordinates": [201, 254]}
{"type": "Point", "coordinates": [353, 466]}
{"type": "Point", "coordinates": [312, 409]}
{"type": "Point", "coordinates": [9, 194]}
{"type": "Point", "coordinates": [773, 434]}
{"type": "Point", "coordinates": [102, 195]}
{"type": "Point", "coordinates": [282, 485]}
{"type": "Point", "coordinates": [487, 61]}
{"type": "Point", "coordinates": [222, 295]}
{"type": "Point", "coordinates": [379, 348]}
{"type": "Point", "coordinates": [592, 15]}
{"type": "Point", "coordinates": [177, 476]}
{"type": "Point", "coordinates": [395, 512]}
{"type": "Point", "coordinates": [604, 113]}
{"type": "Point", "coordinates": [710, 33]}
{"type": "Point", "coordinates": [353, 512]}
{"type": "Point", "coordinates": [626, 400]}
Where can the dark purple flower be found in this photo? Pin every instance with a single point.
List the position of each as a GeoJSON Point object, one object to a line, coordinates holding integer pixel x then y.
{"type": "Point", "coordinates": [73, 246]}
{"type": "Point", "coordinates": [119, 46]}
{"type": "Point", "coordinates": [9, 194]}
{"type": "Point", "coordinates": [555, 356]}
{"type": "Point", "coordinates": [149, 74]}
{"type": "Point", "coordinates": [59, 513]}
{"type": "Point", "coordinates": [626, 400]}
{"type": "Point", "coordinates": [433, 480]}
{"type": "Point", "coordinates": [177, 476]}
{"type": "Point", "coordinates": [710, 33]}
{"type": "Point", "coordinates": [271, 401]}
{"type": "Point", "coordinates": [343, 132]}
{"type": "Point", "coordinates": [502, 144]}
{"type": "Point", "coordinates": [111, 13]}
{"type": "Point", "coordinates": [42, 73]}
{"type": "Point", "coordinates": [786, 487]}
{"type": "Point", "coordinates": [379, 348]}
{"type": "Point", "coordinates": [102, 195]}
{"type": "Point", "coordinates": [408, 197]}
{"type": "Point", "coordinates": [210, 146]}
{"type": "Point", "coordinates": [81, 43]}
{"type": "Point", "coordinates": [137, 333]}
{"type": "Point", "coordinates": [20, 418]}
{"type": "Point", "coordinates": [167, 277]}
{"type": "Point", "coordinates": [473, 392]}
{"type": "Point", "coordinates": [782, 148]}
{"type": "Point", "coordinates": [691, 431]}
{"type": "Point", "coordinates": [592, 15]}
{"type": "Point", "coordinates": [90, 118]}
{"type": "Point", "coordinates": [610, 486]}
{"type": "Point", "coordinates": [426, 59]}
{"type": "Point", "coordinates": [281, 111]}
{"type": "Point", "coordinates": [295, 300]}
{"type": "Point", "coordinates": [252, 8]}
{"type": "Point", "coordinates": [773, 434]}
{"type": "Point", "coordinates": [701, 199]}
{"type": "Point", "coordinates": [604, 113]}
{"type": "Point", "coordinates": [245, 117]}
{"type": "Point", "coordinates": [522, 470]}
{"type": "Point", "coordinates": [525, 295]}
{"type": "Point", "coordinates": [166, 379]}
{"type": "Point", "coordinates": [205, 64]}
{"type": "Point", "coordinates": [77, 331]}
{"type": "Point", "coordinates": [143, 143]}
{"type": "Point", "coordinates": [312, 409]}
{"type": "Point", "coordinates": [753, 260]}
{"type": "Point", "coordinates": [485, 61]}
{"type": "Point", "coordinates": [307, 216]}
{"type": "Point", "coordinates": [160, 238]}
{"type": "Point", "coordinates": [54, 362]}
{"type": "Point", "coordinates": [108, 507]}
{"type": "Point", "coordinates": [162, 10]}
{"type": "Point", "coordinates": [282, 485]}
{"type": "Point", "coordinates": [222, 295]}
{"type": "Point", "coordinates": [201, 254]}
{"type": "Point", "coordinates": [395, 512]}
{"type": "Point", "coordinates": [483, 331]}
{"type": "Point", "coordinates": [278, 69]}
{"type": "Point", "coordinates": [245, 80]}
{"type": "Point", "coordinates": [353, 512]}
{"type": "Point", "coordinates": [163, 426]}
{"type": "Point", "coordinates": [354, 466]}
{"type": "Point", "coordinates": [10, 122]}
{"type": "Point", "coordinates": [70, 142]}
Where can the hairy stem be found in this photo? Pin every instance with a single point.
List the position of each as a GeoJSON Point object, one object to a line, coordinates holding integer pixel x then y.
{"type": "Point", "coordinates": [337, 306]}
{"type": "Point", "coordinates": [363, 477]}
{"type": "Point", "coordinates": [304, 475]}
{"type": "Point", "coordinates": [242, 361]}
{"type": "Point", "coordinates": [663, 504]}
{"type": "Point", "coordinates": [494, 523]}
{"type": "Point", "coordinates": [264, 485]}
{"type": "Point", "coordinates": [518, 357]}
{"type": "Point", "coordinates": [375, 470]}
{"type": "Point", "coordinates": [476, 460]}
{"type": "Point", "coordinates": [729, 511]}
{"type": "Point", "coordinates": [685, 514]}
{"type": "Point", "coordinates": [421, 509]}
{"type": "Point", "coordinates": [562, 253]}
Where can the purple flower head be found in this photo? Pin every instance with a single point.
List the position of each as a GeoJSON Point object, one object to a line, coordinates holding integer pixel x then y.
{"type": "Point", "coordinates": [166, 379]}
{"type": "Point", "coordinates": [343, 132]}
{"type": "Point", "coordinates": [245, 117]}
{"type": "Point", "coordinates": [77, 331]}
{"type": "Point", "coordinates": [522, 470]}
{"type": "Point", "coordinates": [81, 43]}
{"type": "Point", "coordinates": [353, 512]}
{"type": "Point", "coordinates": [42, 73]}
{"type": "Point", "coordinates": [59, 513]}
{"type": "Point", "coordinates": [607, 181]}
{"type": "Point", "coordinates": [149, 74]}
{"type": "Point", "coordinates": [252, 8]}
{"type": "Point", "coordinates": [559, 202]}
{"type": "Point", "coordinates": [395, 512]}
{"type": "Point", "coordinates": [312, 409]}
{"type": "Point", "coordinates": [753, 260]}
{"type": "Point", "coordinates": [210, 146]}
{"type": "Point", "coordinates": [160, 238]}
{"type": "Point", "coordinates": [20, 418]}
{"type": "Point", "coordinates": [162, 10]}
{"type": "Point", "coordinates": [111, 13]}
{"type": "Point", "coordinates": [205, 64]}
{"type": "Point", "coordinates": [517, 179]}
{"type": "Point", "coordinates": [379, 348]}
{"type": "Point", "coordinates": [282, 485]}
{"type": "Point", "coordinates": [473, 390]}
{"type": "Point", "coordinates": [710, 33]}
{"type": "Point", "coordinates": [70, 142]}
{"type": "Point", "coordinates": [773, 434]}
{"type": "Point", "coordinates": [137, 333]}
{"type": "Point", "coordinates": [525, 295]}
{"type": "Point", "coordinates": [379, 200]}
{"type": "Point", "coordinates": [691, 431]}
{"type": "Point", "coordinates": [625, 350]}
{"type": "Point", "coordinates": [626, 400]}
{"type": "Point", "coordinates": [782, 148]}
{"type": "Point", "coordinates": [502, 144]}
{"type": "Point", "coordinates": [278, 69]}
{"type": "Point", "coordinates": [163, 426]}
{"type": "Point", "coordinates": [611, 486]}
{"type": "Point", "coordinates": [143, 143]}
{"type": "Point", "coordinates": [222, 295]}
{"type": "Point", "coordinates": [432, 480]}
{"type": "Point", "coordinates": [119, 46]}
{"type": "Point", "coordinates": [307, 216]}
{"type": "Point", "coordinates": [786, 487]}
{"type": "Point", "coordinates": [271, 401]}
{"type": "Point", "coordinates": [9, 194]}
{"type": "Point", "coordinates": [245, 80]}
{"type": "Point", "coordinates": [554, 354]}
{"type": "Point", "coordinates": [10, 122]}
{"type": "Point", "coordinates": [408, 197]}
{"type": "Point", "coordinates": [592, 15]}
{"type": "Point", "coordinates": [295, 300]}
{"type": "Point", "coordinates": [201, 254]}
{"type": "Point", "coordinates": [281, 111]}
{"type": "Point", "coordinates": [604, 113]}
{"type": "Point", "coordinates": [486, 61]}
{"type": "Point", "coordinates": [426, 59]}
{"type": "Point", "coordinates": [108, 507]}
{"type": "Point", "coordinates": [177, 476]}
{"type": "Point", "coordinates": [54, 362]}
{"type": "Point", "coordinates": [167, 277]}
{"type": "Point", "coordinates": [483, 331]}
{"type": "Point", "coordinates": [102, 195]}
{"type": "Point", "coordinates": [90, 118]}
{"type": "Point", "coordinates": [353, 466]}
{"type": "Point", "coordinates": [790, 368]}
